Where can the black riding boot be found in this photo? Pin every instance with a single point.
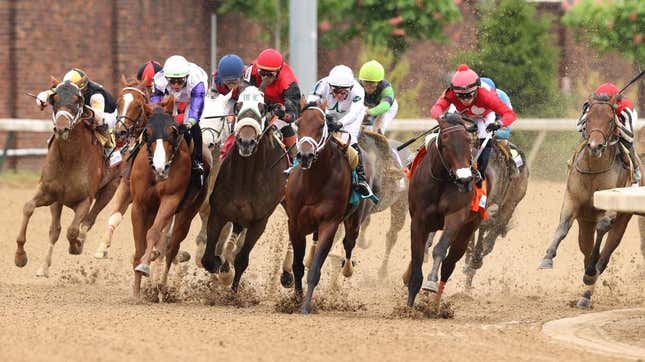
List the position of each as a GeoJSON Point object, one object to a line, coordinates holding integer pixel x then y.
{"type": "Point", "coordinates": [198, 164]}
{"type": "Point", "coordinates": [635, 162]}
{"type": "Point", "coordinates": [363, 187]}
{"type": "Point", "coordinates": [482, 161]}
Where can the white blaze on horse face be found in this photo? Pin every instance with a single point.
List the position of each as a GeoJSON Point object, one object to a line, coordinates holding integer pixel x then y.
{"type": "Point", "coordinates": [463, 173]}
{"type": "Point", "coordinates": [127, 99]}
{"type": "Point", "coordinates": [159, 158]}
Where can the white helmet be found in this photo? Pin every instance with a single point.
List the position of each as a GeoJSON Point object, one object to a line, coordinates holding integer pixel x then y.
{"type": "Point", "coordinates": [176, 67]}
{"type": "Point", "coordinates": [341, 76]}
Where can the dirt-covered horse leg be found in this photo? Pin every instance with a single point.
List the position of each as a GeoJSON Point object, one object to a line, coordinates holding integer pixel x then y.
{"type": "Point", "coordinates": [210, 261]}
{"type": "Point", "coordinates": [286, 278]}
{"type": "Point", "coordinates": [311, 251]}
{"type": "Point", "coordinates": [75, 234]}
{"type": "Point", "coordinates": [362, 242]}
{"type": "Point", "coordinates": [326, 233]}
{"type": "Point", "coordinates": [180, 230]}
{"type": "Point", "coordinates": [398, 210]}
{"type": "Point", "coordinates": [141, 222]}
{"type": "Point", "coordinates": [419, 233]}
{"type": "Point", "coordinates": [54, 232]}
{"type": "Point", "coordinates": [40, 199]}
{"type": "Point", "coordinates": [299, 243]}
{"type": "Point", "coordinates": [228, 249]}
{"type": "Point", "coordinates": [567, 215]}
{"type": "Point", "coordinates": [456, 251]}
{"type": "Point", "coordinates": [164, 216]}
{"type": "Point", "coordinates": [253, 233]}
{"type": "Point", "coordinates": [352, 227]}
{"type": "Point", "coordinates": [123, 200]}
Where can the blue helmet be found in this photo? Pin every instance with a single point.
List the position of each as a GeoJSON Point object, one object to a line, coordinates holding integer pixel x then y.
{"type": "Point", "coordinates": [230, 67]}
{"type": "Point", "coordinates": [489, 82]}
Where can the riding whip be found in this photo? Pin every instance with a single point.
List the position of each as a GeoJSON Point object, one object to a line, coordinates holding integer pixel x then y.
{"type": "Point", "coordinates": [221, 116]}
{"type": "Point", "coordinates": [410, 141]}
{"type": "Point", "coordinates": [632, 81]}
{"type": "Point", "coordinates": [31, 95]}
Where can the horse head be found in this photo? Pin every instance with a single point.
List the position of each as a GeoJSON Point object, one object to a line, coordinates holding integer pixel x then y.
{"type": "Point", "coordinates": [249, 126]}
{"type": "Point", "coordinates": [213, 123]}
{"type": "Point", "coordinates": [131, 109]}
{"type": "Point", "coordinates": [162, 137]}
{"type": "Point", "coordinates": [600, 123]}
{"type": "Point", "coordinates": [454, 145]}
{"type": "Point", "coordinates": [312, 131]}
{"type": "Point", "coordinates": [67, 107]}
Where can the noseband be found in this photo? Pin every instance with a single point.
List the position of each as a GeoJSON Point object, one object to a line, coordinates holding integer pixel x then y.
{"type": "Point", "coordinates": [135, 122]}
{"type": "Point", "coordinates": [452, 177]}
{"type": "Point", "coordinates": [173, 153]}
{"type": "Point", "coordinates": [320, 144]}
{"type": "Point", "coordinates": [607, 138]}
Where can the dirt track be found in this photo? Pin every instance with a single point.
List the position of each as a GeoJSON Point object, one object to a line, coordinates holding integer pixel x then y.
{"type": "Point", "coordinates": [83, 311]}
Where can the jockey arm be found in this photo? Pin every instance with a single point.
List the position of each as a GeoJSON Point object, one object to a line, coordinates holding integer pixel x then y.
{"type": "Point", "coordinates": [495, 104]}
{"type": "Point", "coordinates": [291, 97]}
{"type": "Point", "coordinates": [440, 106]}
{"type": "Point", "coordinates": [387, 99]}
{"type": "Point", "coordinates": [196, 107]}
{"type": "Point", "coordinates": [356, 111]}
{"type": "Point", "coordinates": [97, 103]}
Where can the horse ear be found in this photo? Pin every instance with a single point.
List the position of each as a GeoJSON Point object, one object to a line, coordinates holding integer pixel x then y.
{"type": "Point", "coordinates": [237, 107]}
{"type": "Point", "coordinates": [54, 82]}
{"type": "Point", "coordinates": [262, 108]}
{"type": "Point", "coordinates": [123, 80]}
{"type": "Point", "coordinates": [168, 104]}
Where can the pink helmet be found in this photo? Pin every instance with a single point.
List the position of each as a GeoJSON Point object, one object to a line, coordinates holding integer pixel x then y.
{"type": "Point", "coordinates": [607, 88]}
{"type": "Point", "coordinates": [465, 79]}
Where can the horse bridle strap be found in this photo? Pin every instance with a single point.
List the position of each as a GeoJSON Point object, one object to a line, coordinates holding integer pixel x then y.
{"type": "Point", "coordinates": [317, 145]}
{"type": "Point", "coordinates": [175, 150]}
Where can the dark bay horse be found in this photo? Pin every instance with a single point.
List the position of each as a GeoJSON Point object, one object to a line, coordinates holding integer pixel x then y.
{"type": "Point", "coordinates": [597, 166]}
{"type": "Point", "coordinates": [249, 186]}
{"type": "Point", "coordinates": [441, 191]}
{"type": "Point", "coordinates": [317, 198]}
{"type": "Point", "coordinates": [162, 191]}
{"type": "Point", "coordinates": [75, 174]}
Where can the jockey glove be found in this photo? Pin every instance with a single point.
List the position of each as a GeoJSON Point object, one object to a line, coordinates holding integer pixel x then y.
{"type": "Point", "coordinates": [494, 126]}
{"type": "Point", "coordinates": [191, 122]}
{"type": "Point", "coordinates": [278, 111]}
{"type": "Point", "coordinates": [333, 125]}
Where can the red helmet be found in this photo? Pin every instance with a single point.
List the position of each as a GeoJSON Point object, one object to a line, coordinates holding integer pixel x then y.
{"type": "Point", "coordinates": [607, 88]}
{"type": "Point", "coordinates": [465, 79]}
{"type": "Point", "coordinates": [269, 59]}
{"type": "Point", "coordinates": [148, 70]}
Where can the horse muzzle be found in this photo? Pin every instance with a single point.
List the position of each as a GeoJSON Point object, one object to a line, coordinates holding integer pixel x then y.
{"type": "Point", "coordinates": [62, 133]}
{"type": "Point", "coordinates": [306, 159]}
{"type": "Point", "coordinates": [246, 146]}
{"type": "Point", "coordinates": [596, 148]}
{"type": "Point", "coordinates": [464, 179]}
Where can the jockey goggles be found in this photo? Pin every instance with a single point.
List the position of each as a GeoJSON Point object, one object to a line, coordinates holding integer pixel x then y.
{"type": "Point", "coordinates": [467, 95]}
{"type": "Point", "coordinates": [267, 73]}
{"type": "Point", "coordinates": [177, 80]}
{"type": "Point", "coordinates": [340, 90]}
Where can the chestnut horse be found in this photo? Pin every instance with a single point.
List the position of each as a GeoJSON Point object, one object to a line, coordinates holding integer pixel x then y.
{"type": "Point", "coordinates": [249, 185]}
{"type": "Point", "coordinates": [597, 166]}
{"type": "Point", "coordinates": [317, 199]}
{"type": "Point", "coordinates": [440, 196]}
{"type": "Point", "coordinates": [75, 174]}
{"type": "Point", "coordinates": [162, 191]}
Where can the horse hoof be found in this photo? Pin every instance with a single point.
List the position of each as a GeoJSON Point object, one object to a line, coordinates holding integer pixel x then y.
{"type": "Point", "coordinates": [469, 271]}
{"type": "Point", "coordinates": [305, 309]}
{"type": "Point", "coordinates": [143, 269]}
{"type": "Point", "coordinates": [226, 278]}
{"type": "Point", "coordinates": [154, 255]}
{"type": "Point", "coordinates": [76, 248]}
{"type": "Point", "coordinates": [430, 286]}
{"type": "Point", "coordinates": [546, 264]}
{"type": "Point", "coordinates": [286, 279]}
{"type": "Point", "coordinates": [182, 257]}
{"type": "Point", "coordinates": [584, 303]}
{"type": "Point", "coordinates": [589, 279]}
{"type": "Point", "coordinates": [101, 254]}
{"type": "Point", "coordinates": [210, 265]}
{"type": "Point", "coordinates": [21, 259]}
{"type": "Point", "coordinates": [42, 273]}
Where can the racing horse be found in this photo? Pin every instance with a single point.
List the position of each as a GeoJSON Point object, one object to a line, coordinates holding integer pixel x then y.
{"type": "Point", "coordinates": [596, 166]}
{"type": "Point", "coordinates": [440, 196]}
{"type": "Point", "coordinates": [163, 190]}
{"type": "Point", "coordinates": [248, 187]}
{"type": "Point", "coordinates": [317, 197]}
{"type": "Point", "coordinates": [75, 174]}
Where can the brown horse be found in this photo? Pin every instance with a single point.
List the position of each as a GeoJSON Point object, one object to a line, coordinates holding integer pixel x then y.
{"type": "Point", "coordinates": [132, 116]}
{"type": "Point", "coordinates": [317, 199]}
{"type": "Point", "coordinates": [597, 166]}
{"type": "Point", "coordinates": [75, 175]}
{"type": "Point", "coordinates": [249, 185]}
{"type": "Point", "coordinates": [162, 191]}
{"type": "Point", "coordinates": [440, 197]}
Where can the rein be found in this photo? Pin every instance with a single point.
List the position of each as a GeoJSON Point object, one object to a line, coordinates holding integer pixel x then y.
{"type": "Point", "coordinates": [135, 122]}
{"type": "Point", "coordinates": [175, 150]}
{"type": "Point", "coordinates": [320, 144]}
{"type": "Point", "coordinates": [451, 175]}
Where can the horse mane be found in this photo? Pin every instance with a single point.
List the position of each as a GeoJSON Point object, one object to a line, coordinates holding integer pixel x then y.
{"type": "Point", "coordinates": [603, 97]}
{"type": "Point", "coordinates": [452, 118]}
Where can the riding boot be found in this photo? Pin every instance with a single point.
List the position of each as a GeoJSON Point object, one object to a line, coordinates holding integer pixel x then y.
{"type": "Point", "coordinates": [482, 162]}
{"type": "Point", "coordinates": [198, 165]}
{"type": "Point", "coordinates": [636, 164]}
{"type": "Point", "coordinates": [289, 139]}
{"type": "Point", "coordinates": [363, 187]}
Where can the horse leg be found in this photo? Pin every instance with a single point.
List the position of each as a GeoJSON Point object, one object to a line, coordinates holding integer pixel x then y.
{"type": "Point", "coordinates": [215, 225]}
{"type": "Point", "coordinates": [613, 239]}
{"type": "Point", "coordinates": [40, 199]}
{"type": "Point", "coordinates": [326, 233]}
{"type": "Point", "coordinates": [473, 258]}
{"type": "Point", "coordinates": [286, 279]}
{"type": "Point", "coordinates": [456, 251]}
{"type": "Point", "coordinates": [200, 241]}
{"type": "Point", "coordinates": [164, 216]}
{"type": "Point", "coordinates": [141, 221]}
{"type": "Point", "coordinates": [311, 251]}
{"type": "Point", "coordinates": [54, 233]}
{"type": "Point", "coordinates": [180, 230]}
{"type": "Point", "coordinates": [418, 239]}
{"type": "Point", "coordinates": [362, 242]}
{"type": "Point", "coordinates": [123, 200]}
{"type": "Point", "coordinates": [352, 227]}
{"type": "Point", "coordinates": [567, 216]}
{"type": "Point", "coordinates": [397, 220]}
{"type": "Point", "coordinates": [299, 242]}
{"type": "Point", "coordinates": [591, 273]}
{"type": "Point", "coordinates": [103, 197]}
{"type": "Point", "coordinates": [429, 242]}
{"type": "Point", "coordinates": [75, 233]}
{"type": "Point", "coordinates": [253, 233]}
{"type": "Point", "coordinates": [438, 255]}
{"type": "Point", "coordinates": [230, 249]}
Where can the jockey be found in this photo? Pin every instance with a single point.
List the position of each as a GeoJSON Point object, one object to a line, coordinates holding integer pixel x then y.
{"type": "Point", "coordinates": [275, 78]}
{"type": "Point", "coordinates": [467, 95]}
{"type": "Point", "coordinates": [380, 105]}
{"type": "Point", "coordinates": [96, 97]}
{"type": "Point", "coordinates": [503, 133]}
{"type": "Point", "coordinates": [626, 118]}
{"type": "Point", "coordinates": [187, 83]}
{"type": "Point", "coordinates": [345, 110]}
{"type": "Point", "coordinates": [228, 76]}
{"type": "Point", "coordinates": [147, 72]}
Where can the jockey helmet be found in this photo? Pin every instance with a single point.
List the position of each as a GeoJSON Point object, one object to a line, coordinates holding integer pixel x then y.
{"type": "Point", "coordinates": [371, 71]}
{"type": "Point", "coordinates": [608, 89]}
{"type": "Point", "coordinates": [465, 79]}
{"type": "Point", "coordinates": [76, 76]}
{"type": "Point", "coordinates": [176, 67]}
{"type": "Point", "coordinates": [230, 67]}
{"type": "Point", "coordinates": [341, 76]}
{"type": "Point", "coordinates": [147, 71]}
{"type": "Point", "coordinates": [489, 82]}
{"type": "Point", "coordinates": [269, 59]}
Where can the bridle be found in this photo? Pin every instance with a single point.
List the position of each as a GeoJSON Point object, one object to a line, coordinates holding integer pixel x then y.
{"type": "Point", "coordinates": [607, 138]}
{"type": "Point", "coordinates": [452, 177]}
{"type": "Point", "coordinates": [136, 122]}
{"type": "Point", "coordinates": [72, 118]}
{"type": "Point", "coordinates": [176, 143]}
{"type": "Point", "coordinates": [317, 145]}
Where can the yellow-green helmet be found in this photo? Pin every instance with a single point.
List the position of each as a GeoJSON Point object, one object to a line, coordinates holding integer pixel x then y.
{"type": "Point", "coordinates": [372, 71]}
